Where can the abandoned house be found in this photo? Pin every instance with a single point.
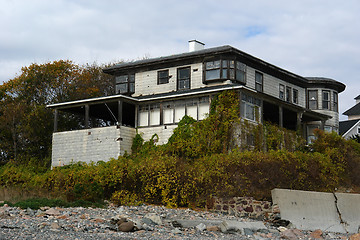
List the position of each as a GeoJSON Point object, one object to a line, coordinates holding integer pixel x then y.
{"type": "Point", "coordinates": [351, 127]}
{"type": "Point", "coordinates": [153, 95]}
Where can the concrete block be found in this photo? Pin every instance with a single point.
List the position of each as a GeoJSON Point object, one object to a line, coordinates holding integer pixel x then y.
{"type": "Point", "coordinates": [308, 210]}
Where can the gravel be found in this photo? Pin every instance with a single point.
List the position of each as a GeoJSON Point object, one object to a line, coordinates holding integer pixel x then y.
{"type": "Point", "coordinates": [151, 222]}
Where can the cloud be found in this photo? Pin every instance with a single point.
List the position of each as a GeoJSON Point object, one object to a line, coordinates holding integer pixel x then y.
{"type": "Point", "coordinates": [308, 37]}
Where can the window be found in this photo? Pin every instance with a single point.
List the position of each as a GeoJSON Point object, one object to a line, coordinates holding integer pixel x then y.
{"type": "Point", "coordinates": [163, 77]}
{"type": "Point", "coordinates": [310, 132]}
{"type": "Point", "coordinates": [358, 130]}
{"type": "Point", "coordinates": [240, 72]}
{"type": "Point", "coordinates": [288, 94]}
{"type": "Point", "coordinates": [336, 100]}
{"type": "Point", "coordinates": [326, 100]}
{"type": "Point", "coordinates": [168, 112]}
{"type": "Point", "coordinates": [312, 99]}
{"type": "Point", "coordinates": [192, 108]}
{"type": "Point", "coordinates": [259, 81]}
{"type": "Point", "coordinates": [154, 114]}
{"type": "Point", "coordinates": [282, 92]}
{"type": "Point", "coordinates": [328, 129]}
{"type": "Point", "coordinates": [223, 70]}
{"type": "Point", "coordinates": [143, 115]}
{"type": "Point", "coordinates": [125, 84]}
{"type": "Point", "coordinates": [250, 107]}
{"type": "Point", "coordinates": [203, 107]}
{"type": "Point", "coordinates": [295, 96]}
{"type": "Point", "coordinates": [183, 78]}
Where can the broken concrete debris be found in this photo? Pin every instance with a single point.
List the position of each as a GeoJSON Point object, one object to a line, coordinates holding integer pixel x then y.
{"type": "Point", "coordinates": [306, 210]}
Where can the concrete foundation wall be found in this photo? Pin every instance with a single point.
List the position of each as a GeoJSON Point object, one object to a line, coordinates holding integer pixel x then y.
{"type": "Point", "coordinates": [164, 133]}
{"type": "Point", "coordinates": [91, 145]}
{"type": "Point", "coordinates": [334, 212]}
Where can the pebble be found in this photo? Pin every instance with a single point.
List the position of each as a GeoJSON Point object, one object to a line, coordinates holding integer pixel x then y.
{"type": "Point", "coordinates": [130, 222]}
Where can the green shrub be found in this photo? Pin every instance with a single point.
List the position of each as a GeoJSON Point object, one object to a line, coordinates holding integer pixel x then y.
{"type": "Point", "coordinates": [126, 198]}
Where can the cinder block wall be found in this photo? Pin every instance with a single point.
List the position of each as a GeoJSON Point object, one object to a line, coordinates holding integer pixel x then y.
{"type": "Point", "coordinates": [91, 145]}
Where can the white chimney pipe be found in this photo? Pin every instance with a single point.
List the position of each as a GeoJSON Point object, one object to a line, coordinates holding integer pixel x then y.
{"type": "Point", "coordinates": [195, 45]}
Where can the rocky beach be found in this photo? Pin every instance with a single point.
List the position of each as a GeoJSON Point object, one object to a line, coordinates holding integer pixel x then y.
{"type": "Point", "coordinates": [144, 222]}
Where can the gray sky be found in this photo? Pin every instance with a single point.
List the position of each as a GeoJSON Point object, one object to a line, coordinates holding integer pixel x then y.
{"type": "Point", "coordinates": [308, 37]}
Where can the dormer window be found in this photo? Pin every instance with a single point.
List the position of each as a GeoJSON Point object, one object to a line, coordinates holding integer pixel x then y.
{"type": "Point", "coordinates": [221, 70]}
{"type": "Point", "coordinates": [125, 84]}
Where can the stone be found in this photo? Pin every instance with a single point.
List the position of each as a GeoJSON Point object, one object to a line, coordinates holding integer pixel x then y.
{"type": "Point", "coordinates": [201, 227]}
{"type": "Point", "coordinates": [155, 218]}
{"type": "Point", "coordinates": [292, 234]}
{"type": "Point", "coordinates": [55, 226]}
{"type": "Point", "coordinates": [248, 231]}
{"type": "Point", "coordinates": [176, 231]}
{"type": "Point", "coordinates": [249, 209]}
{"type": "Point", "coordinates": [52, 212]}
{"type": "Point", "coordinates": [126, 227]}
{"type": "Point", "coordinates": [213, 229]}
{"type": "Point", "coordinates": [317, 234]}
{"type": "Point", "coordinates": [355, 236]}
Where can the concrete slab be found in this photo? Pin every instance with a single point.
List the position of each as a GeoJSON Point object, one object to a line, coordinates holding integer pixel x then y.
{"type": "Point", "coordinates": [349, 208]}
{"type": "Point", "coordinates": [308, 210]}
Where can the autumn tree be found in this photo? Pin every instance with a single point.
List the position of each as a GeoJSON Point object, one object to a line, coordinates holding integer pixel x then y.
{"type": "Point", "coordinates": [26, 124]}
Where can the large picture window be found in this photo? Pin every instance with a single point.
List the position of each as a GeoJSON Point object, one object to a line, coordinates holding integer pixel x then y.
{"type": "Point", "coordinates": [125, 84]}
{"type": "Point", "coordinates": [259, 81]}
{"type": "Point", "coordinates": [221, 70]}
{"type": "Point", "coordinates": [183, 78]}
{"type": "Point", "coordinates": [313, 99]}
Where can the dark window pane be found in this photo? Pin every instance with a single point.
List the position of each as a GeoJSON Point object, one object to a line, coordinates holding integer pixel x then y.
{"type": "Point", "coordinates": [224, 74]}
{"type": "Point", "coordinates": [212, 74]}
{"type": "Point", "coordinates": [163, 77]}
{"type": "Point", "coordinates": [122, 88]}
{"type": "Point", "coordinates": [132, 78]}
{"type": "Point", "coordinates": [132, 87]}
{"type": "Point", "coordinates": [122, 79]}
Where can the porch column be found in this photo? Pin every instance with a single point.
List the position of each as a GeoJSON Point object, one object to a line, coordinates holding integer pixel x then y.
{"type": "Point", "coordinates": [56, 116]}
{"type": "Point", "coordinates": [87, 113]}
{"type": "Point", "coordinates": [298, 120]}
{"type": "Point", "coordinates": [136, 115]}
{"type": "Point", "coordinates": [281, 118]}
{"type": "Point", "coordinates": [120, 110]}
{"type": "Point", "coordinates": [322, 124]}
